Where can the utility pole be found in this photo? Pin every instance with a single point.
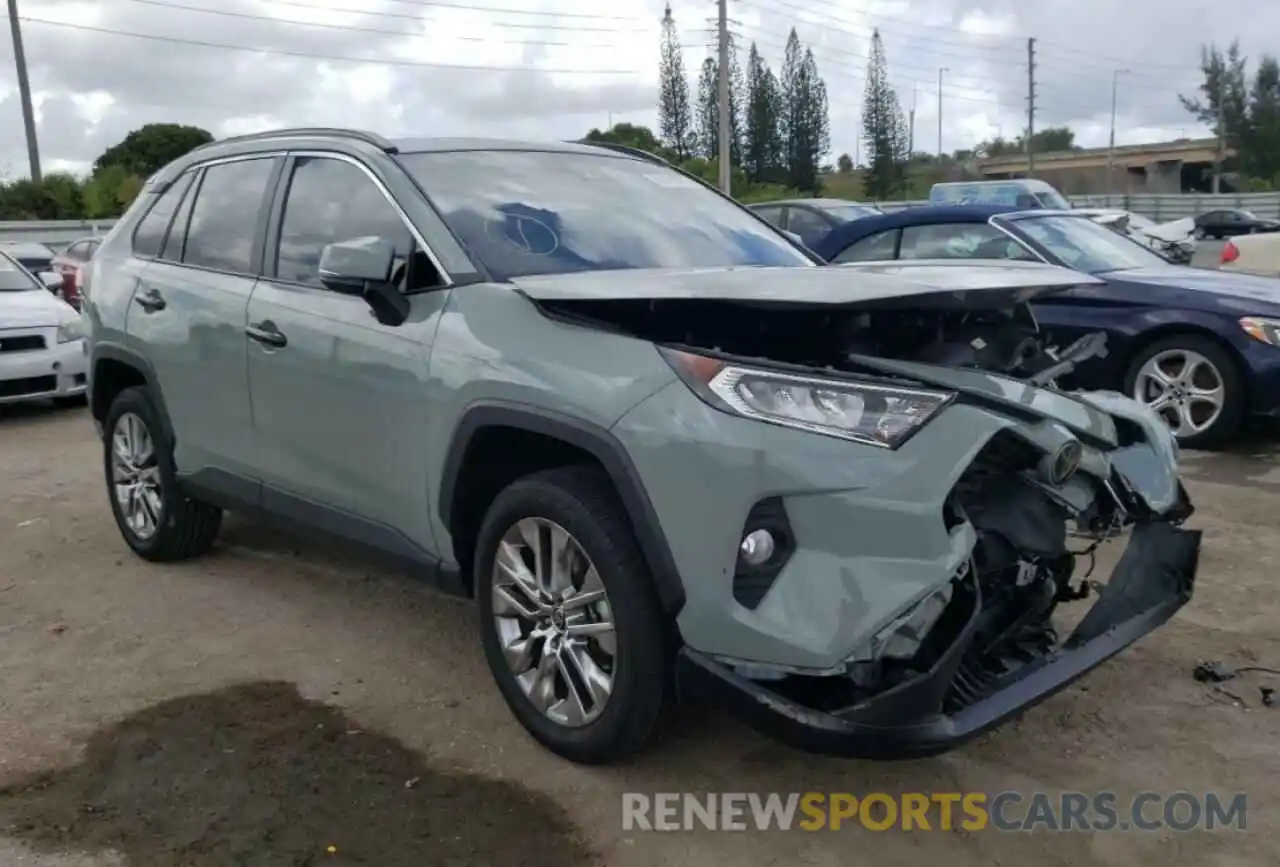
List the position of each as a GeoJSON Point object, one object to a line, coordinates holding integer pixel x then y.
{"type": "Point", "coordinates": [722, 97]}
{"type": "Point", "coordinates": [1111, 147]}
{"type": "Point", "coordinates": [911, 124]}
{"type": "Point", "coordinates": [940, 71]}
{"type": "Point", "coordinates": [1222, 143]}
{"type": "Point", "coordinates": [1031, 105]}
{"type": "Point", "coordinates": [24, 92]}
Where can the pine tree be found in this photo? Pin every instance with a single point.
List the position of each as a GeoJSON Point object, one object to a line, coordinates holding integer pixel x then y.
{"type": "Point", "coordinates": [708, 119]}
{"type": "Point", "coordinates": [737, 105]}
{"type": "Point", "coordinates": [884, 130]}
{"type": "Point", "coordinates": [805, 127]}
{"type": "Point", "coordinates": [674, 113]}
{"type": "Point", "coordinates": [762, 143]}
{"type": "Point", "coordinates": [791, 121]}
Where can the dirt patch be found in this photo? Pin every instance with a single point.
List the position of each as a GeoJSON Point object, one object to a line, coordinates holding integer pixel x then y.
{"type": "Point", "coordinates": [256, 775]}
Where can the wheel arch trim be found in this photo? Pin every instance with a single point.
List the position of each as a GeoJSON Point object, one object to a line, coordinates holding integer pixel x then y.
{"type": "Point", "coordinates": [123, 355]}
{"type": "Point", "coordinates": [590, 438]}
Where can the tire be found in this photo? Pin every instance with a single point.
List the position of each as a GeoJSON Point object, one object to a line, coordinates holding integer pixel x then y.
{"type": "Point", "coordinates": [1231, 416]}
{"type": "Point", "coordinates": [75, 402]}
{"type": "Point", "coordinates": [184, 528]}
{"type": "Point", "coordinates": [582, 502]}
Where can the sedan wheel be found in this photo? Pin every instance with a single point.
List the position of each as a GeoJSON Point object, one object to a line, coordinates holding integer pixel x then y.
{"type": "Point", "coordinates": [554, 622]}
{"type": "Point", "coordinates": [1193, 386]}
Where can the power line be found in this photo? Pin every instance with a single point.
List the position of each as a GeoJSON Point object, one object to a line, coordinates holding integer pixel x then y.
{"type": "Point", "coordinates": [312, 55]}
{"type": "Point", "coordinates": [354, 28]}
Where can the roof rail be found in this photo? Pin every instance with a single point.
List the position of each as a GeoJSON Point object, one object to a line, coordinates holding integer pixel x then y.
{"type": "Point", "coordinates": [383, 144]}
{"type": "Point", "coordinates": [621, 148]}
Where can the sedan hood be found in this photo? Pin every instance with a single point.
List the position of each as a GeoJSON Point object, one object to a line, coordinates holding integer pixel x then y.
{"type": "Point", "coordinates": [34, 308]}
{"type": "Point", "coordinates": [931, 284]}
{"type": "Point", "coordinates": [1228, 283]}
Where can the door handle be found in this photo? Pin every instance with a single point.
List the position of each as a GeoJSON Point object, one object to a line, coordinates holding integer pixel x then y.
{"type": "Point", "coordinates": [267, 334]}
{"type": "Point", "coordinates": [150, 301]}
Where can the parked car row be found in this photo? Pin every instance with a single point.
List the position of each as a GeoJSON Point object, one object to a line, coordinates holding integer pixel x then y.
{"type": "Point", "coordinates": [1199, 347]}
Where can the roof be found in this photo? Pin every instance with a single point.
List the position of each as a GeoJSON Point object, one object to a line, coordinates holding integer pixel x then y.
{"type": "Point", "coordinates": [417, 145]}
{"type": "Point", "coordinates": [817, 201]}
{"type": "Point", "coordinates": [19, 248]}
{"type": "Point", "coordinates": [842, 236]}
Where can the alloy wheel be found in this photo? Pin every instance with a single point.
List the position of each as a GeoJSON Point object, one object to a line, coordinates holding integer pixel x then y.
{"type": "Point", "coordinates": [554, 622]}
{"type": "Point", "coordinates": [1183, 387]}
{"type": "Point", "coordinates": [135, 476]}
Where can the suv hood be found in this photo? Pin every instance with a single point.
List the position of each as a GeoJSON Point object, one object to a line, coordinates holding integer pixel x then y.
{"type": "Point", "coordinates": [34, 308]}
{"type": "Point", "coordinates": [942, 284]}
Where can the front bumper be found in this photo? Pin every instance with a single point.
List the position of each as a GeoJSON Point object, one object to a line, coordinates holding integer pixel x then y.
{"type": "Point", "coordinates": [59, 370]}
{"type": "Point", "coordinates": [946, 705]}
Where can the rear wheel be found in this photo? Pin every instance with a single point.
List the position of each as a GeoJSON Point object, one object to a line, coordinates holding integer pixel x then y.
{"type": "Point", "coordinates": [571, 624]}
{"type": "Point", "coordinates": [157, 521]}
{"type": "Point", "coordinates": [1194, 385]}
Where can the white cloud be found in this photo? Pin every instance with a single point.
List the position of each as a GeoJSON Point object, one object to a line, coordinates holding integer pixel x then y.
{"type": "Point", "coordinates": [556, 68]}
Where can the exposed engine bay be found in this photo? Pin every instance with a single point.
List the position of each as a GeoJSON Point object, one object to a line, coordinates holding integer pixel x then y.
{"type": "Point", "coordinates": [1006, 341]}
{"type": "Point", "coordinates": [1029, 535]}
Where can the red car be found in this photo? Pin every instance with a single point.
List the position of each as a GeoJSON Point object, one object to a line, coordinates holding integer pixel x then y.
{"type": "Point", "coordinates": [70, 264]}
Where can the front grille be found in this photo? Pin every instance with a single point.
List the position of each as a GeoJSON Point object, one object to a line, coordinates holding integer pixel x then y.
{"type": "Point", "coordinates": [21, 343]}
{"type": "Point", "coordinates": [29, 385]}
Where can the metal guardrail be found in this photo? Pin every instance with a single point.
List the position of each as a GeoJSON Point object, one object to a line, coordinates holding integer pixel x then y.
{"type": "Point", "coordinates": [1161, 208]}
{"type": "Point", "coordinates": [55, 233]}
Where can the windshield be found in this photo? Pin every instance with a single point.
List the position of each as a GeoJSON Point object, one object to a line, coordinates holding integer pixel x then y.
{"type": "Point", "coordinates": [14, 279]}
{"type": "Point", "coordinates": [853, 212]}
{"type": "Point", "coordinates": [1050, 200]}
{"type": "Point", "coordinates": [534, 212]}
{"type": "Point", "coordinates": [1248, 215]}
{"type": "Point", "coordinates": [1086, 246]}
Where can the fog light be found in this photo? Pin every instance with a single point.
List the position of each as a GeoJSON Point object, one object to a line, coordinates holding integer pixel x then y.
{"type": "Point", "coordinates": [757, 547]}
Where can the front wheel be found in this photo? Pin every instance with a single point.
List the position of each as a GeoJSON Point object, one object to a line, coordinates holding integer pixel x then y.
{"type": "Point", "coordinates": [570, 620]}
{"type": "Point", "coordinates": [1194, 385]}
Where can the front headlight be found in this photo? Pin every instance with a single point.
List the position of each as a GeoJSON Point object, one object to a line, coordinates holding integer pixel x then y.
{"type": "Point", "coordinates": [1261, 328]}
{"type": "Point", "coordinates": [874, 413]}
{"type": "Point", "coordinates": [71, 329]}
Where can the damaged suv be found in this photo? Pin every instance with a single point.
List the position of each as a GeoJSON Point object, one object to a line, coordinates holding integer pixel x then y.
{"type": "Point", "coordinates": [665, 450]}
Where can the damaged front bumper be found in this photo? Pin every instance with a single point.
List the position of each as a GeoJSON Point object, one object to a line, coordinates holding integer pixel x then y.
{"type": "Point", "coordinates": [957, 698]}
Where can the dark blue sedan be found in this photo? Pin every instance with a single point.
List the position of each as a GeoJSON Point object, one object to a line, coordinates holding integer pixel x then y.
{"type": "Point", "coordinates": [1200, 347]}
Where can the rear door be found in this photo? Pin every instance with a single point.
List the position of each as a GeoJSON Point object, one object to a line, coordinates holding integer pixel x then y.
{"type": "Point", "coordinates": [188, 310]}
{"type": "Point", "coordinates": [339, 399]}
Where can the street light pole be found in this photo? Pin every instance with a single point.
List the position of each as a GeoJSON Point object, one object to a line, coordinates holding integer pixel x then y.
{"type": "Point", "coordinates": [1111, 147]}
{"type": "Point", "coordinates": [940, 71]}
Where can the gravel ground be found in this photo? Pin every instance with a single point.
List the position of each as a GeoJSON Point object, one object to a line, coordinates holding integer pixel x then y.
{"type": "Point", "coordinates": [279, 702]}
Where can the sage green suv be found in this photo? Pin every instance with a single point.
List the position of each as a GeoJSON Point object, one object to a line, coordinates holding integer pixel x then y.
{"type": "Point", "coordinates": [665, 448]}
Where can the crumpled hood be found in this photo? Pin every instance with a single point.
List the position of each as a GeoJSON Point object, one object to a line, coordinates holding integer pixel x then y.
{"type": "Point", "coordinates": [1014, 395]}
{"type": "Point", "coordinates": [985, 284]}
{"type": "Point", "coordinates": [34, 308]}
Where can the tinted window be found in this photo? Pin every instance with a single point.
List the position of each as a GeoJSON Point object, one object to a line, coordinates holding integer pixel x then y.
{"type": "Point", "coordinates": [852, 212]}
{"type": "Point", "coordinates": [332, 200]}
{"type": "Point", "coordinates": [959, 241]}
{"type": "Point", "coordinates": [526, 212]}
{"type": "Point", "coordinates": [148, 238]}
{"type": "Point", "coordinates": [773, 215]}
{"type": "Point", "coordinates": [176, 240]}
{"type": "Point", "coordinates": [224, 218]}
{"type": "Point", "coordinates": [808, 225]}
{"type": "Point", "coordinates": [873, 248]}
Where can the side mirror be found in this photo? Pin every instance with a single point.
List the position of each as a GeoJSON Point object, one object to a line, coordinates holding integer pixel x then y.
{"type": "Point", "coordinates": [51, 280]}
{"type": "Point", "coordinates": [362, 266]}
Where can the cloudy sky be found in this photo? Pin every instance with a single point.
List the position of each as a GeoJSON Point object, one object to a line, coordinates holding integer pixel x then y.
{"type": "Point", "coordinates": [556, 68]}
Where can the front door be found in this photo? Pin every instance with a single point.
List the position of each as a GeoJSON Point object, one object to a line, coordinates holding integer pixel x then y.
{"type": "Point", "coordinates": [339, 400]}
